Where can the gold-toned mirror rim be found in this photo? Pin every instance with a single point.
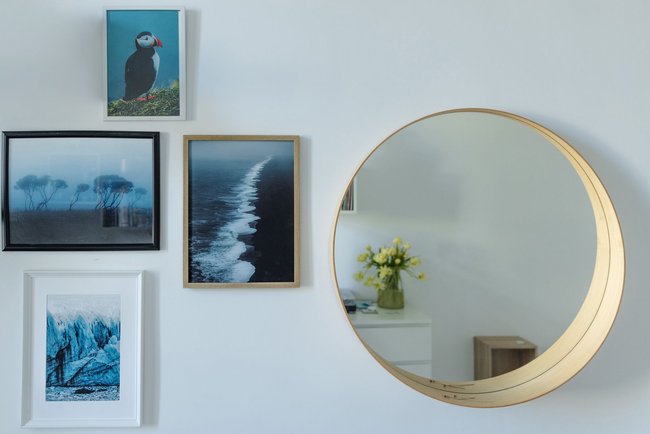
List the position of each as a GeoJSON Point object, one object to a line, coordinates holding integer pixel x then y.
{"type": "Point", "coordinates": [581, 340]}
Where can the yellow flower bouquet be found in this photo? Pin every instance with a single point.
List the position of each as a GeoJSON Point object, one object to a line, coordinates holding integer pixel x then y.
{"type": "Point", "coordinates": [382, 270]}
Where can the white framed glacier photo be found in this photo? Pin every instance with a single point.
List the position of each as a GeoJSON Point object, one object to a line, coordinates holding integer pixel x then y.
{"type": "Point", "coordinates": [82, 348]}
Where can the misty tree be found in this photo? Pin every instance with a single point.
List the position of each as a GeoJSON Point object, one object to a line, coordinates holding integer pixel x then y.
{"type": "Point", "coordinates": [47, 188]}
{"type": "Point", "coordinates": [43, 186]}
{"type": "Point", "coordinates": [110, 190]}
{"type": "Point", "coordinates": [138, 193]}
{"type": "Point", "coordinates": [81, 188]}
{"type": "Point", "coordinates": [28, 186]}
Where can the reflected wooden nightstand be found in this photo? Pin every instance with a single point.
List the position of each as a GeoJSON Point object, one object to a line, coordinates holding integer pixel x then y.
{"type": "Point", "coordinates": [496, 355]}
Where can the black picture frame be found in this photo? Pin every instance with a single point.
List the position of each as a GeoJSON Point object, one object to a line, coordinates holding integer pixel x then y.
{"type": "Point", "coordinates": [116, 202]}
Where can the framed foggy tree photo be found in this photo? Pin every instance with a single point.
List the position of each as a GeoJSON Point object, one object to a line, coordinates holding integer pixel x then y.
{"type": "Point", "coordinates": [241, 211]}
{"type": "Point", "coordinates": [81, 190]}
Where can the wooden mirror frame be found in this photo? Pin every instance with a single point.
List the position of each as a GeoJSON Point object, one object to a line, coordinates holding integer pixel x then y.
{"type": "Point", "coordinates": [579, 342]}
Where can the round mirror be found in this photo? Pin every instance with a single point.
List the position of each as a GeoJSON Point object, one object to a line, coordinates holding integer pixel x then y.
{"type": "Point", "coordinates": [478, 257]}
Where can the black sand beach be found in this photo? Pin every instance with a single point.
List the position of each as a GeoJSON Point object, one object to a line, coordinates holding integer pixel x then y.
{"type": "Point", "coordinates": [273, 242]}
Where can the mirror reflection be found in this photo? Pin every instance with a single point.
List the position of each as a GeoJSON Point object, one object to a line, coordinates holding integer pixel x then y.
{"type": "Point", "coordinates": [504, 239]}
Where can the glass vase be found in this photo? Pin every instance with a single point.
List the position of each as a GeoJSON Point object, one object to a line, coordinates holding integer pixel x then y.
{"type": "Point", "coordinates": [392, 296]}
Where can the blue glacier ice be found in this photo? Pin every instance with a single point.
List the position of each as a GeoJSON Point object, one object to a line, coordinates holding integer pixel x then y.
{"type": "Point", "coordinates": [83, 349]}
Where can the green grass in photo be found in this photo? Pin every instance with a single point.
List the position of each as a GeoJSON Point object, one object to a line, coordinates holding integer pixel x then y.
{"type": "Point", "coordinates": [165, 102]}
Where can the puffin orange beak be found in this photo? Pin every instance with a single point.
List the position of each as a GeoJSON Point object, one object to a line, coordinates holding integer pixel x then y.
{"type": "Point", "coordinates": [158, 42]}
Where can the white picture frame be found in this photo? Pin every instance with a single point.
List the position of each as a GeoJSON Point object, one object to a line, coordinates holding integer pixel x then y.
{"type": "Point", "coordinates": [121, 27]}
{"type": "Point", "coordinates": [62, 385]}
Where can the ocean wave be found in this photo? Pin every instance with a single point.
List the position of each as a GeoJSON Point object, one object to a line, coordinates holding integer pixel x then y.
{"type": "Point", "coordinates": [222, 261]}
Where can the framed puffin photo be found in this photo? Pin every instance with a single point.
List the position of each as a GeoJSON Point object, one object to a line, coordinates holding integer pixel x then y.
{"type": "Point", "coordinates": [144, 57]}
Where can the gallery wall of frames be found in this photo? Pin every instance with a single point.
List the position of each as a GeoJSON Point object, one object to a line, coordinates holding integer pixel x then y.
{"type": "Point", "coordinates": [78, 190]}
{"type": "Point", "coordinates": [171, 173]}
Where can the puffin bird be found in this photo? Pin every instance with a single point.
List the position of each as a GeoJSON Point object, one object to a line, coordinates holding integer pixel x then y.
{"type": "Point", "coordinates": [142, 67]}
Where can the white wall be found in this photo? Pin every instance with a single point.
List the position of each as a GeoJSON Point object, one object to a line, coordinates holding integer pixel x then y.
{"type": "Point", "coordinates": [343, 75]}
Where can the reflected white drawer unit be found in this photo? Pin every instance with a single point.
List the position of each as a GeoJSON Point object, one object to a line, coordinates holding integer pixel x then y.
{"type": "Point", "coordinates": [402, 337]}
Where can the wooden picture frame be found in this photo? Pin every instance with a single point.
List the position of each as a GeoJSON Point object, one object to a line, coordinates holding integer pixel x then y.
{"type": "Point", "coordinates": [82, 349]}
{"type": "Point", "coordinates": [241, 211]}
{"type": "Point", "coordinates": [81, 190]}
{"type": "Point", "coordinates": [144, 63]}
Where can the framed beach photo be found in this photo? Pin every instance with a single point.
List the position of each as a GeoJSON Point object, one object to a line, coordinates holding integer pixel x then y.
{"type": "Point", "coordinates": [81, 190]}
{"type": "Point", "coordinates": [241, 211]}
{"type": "Point", "coordinates": [144, 63]}
{"type": "Point", "coordinates": [82, 354]}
